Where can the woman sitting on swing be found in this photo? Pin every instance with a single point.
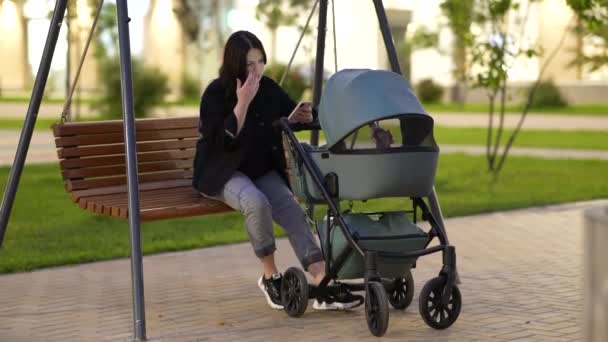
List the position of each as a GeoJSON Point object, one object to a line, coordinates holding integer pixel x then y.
{"type": "Point", "coordinates": [240, 161]}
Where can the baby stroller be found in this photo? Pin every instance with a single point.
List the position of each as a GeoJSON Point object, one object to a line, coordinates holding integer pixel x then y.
{"type": "Point", "coordinates": [379, 247]}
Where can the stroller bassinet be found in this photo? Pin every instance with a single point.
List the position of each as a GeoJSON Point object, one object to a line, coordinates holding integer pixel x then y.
{"type": "Point", "coordinates": [353, 99]}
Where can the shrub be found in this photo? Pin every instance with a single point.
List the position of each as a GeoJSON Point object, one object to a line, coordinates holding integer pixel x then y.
{"type": "Point", "coordinates": [294, 84]}
{"type": "Point", "coordinates": [150, 86]}
{"type": "Point", "coordinates": [547, 95]}
{"type": "Point", "coordinates": [429, 91]}
{"type": "Point", "coordinates": [190, 87]}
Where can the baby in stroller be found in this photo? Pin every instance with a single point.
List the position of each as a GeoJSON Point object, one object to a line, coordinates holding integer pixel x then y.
{"type": "Point", "coordinates": [380, 247]}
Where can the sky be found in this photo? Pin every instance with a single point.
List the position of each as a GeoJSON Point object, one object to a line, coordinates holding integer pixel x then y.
{"type": "Point", "coordinates": [38, 29]}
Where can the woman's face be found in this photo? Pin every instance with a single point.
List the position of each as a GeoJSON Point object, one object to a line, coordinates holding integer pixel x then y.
{"type": "Point", "coordinates": [255, 62]}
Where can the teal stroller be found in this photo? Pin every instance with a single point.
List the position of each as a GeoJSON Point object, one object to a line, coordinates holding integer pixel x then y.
{"type": "Point", "coordinates": [379, 247]}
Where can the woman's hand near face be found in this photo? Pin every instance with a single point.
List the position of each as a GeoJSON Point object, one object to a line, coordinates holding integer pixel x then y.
{"type": "Point", "coordinates": [245, 93]}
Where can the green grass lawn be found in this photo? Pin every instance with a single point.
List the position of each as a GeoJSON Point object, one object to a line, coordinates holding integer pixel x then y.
{"type": "Point", "coordinates": [47, 229]}
{"type": "Point", "coordinates": [22, 99]}
{"type": "Point", "coordinates": [17, 124]}
{"type": "Point", "coordinates": [600, 109]}
{"type": "Point", "coordinates": [42, 124]}
{"type": "Point", "coordinates": [591, 140]}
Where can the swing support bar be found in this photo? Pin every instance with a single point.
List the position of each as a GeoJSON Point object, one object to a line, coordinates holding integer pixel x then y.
{"type": "Point", "coordinates": [32, 113]}
{"type": "Point", "coordinates": [126, 85]}
{"type": "Point", "coordinates": [139, 321]}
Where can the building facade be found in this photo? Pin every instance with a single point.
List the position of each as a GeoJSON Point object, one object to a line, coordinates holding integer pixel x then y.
{"type": "Point", "coordinates": [184, 39]}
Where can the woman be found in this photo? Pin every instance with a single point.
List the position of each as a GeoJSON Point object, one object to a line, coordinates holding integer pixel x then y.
{"type": "Point", "coordinates": [240, 161]}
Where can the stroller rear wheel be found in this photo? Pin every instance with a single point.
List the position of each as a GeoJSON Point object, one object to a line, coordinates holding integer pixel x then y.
{"type": "Point", "coordinates": [376, 308]}
{"type": "Point", "coordinates": [435, 314]}
{"type": "Point", "coordinates": [294, 292]}
{"type": "Point", "coordinates": [402, 291]}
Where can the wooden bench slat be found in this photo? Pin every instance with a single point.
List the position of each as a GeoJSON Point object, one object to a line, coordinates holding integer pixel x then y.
{"type": "Point", "coordinates": [213, 207]}
{"type": "Point", "coordinates": [113, 138]}
{"type": "Point", "coordinates": [116, 126]}
{"type": "Point", "coordinates": [77, 163]}
{"type": "Point", "coordinates": [104, 203]}
{"type": "Point", "coordinates": [142, 168]}
{"type": "Point", "coordinates": [146, 198]}
{"type": "Point", "coordinates": [183, 203]}
{"type": "Point", "coordinates": [122, 189]}
{"type": "Point", "coordinates": [97, 183]}
{"type": "Point", "coordinates": [102, 150]}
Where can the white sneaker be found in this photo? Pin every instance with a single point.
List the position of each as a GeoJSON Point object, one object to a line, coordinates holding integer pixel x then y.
{"type": "Point", "coordinates": [343, 300]}
{"type": "Point", "coordinates": [333, 306]}
{"type": "Point", "coordinates": [272, 290]}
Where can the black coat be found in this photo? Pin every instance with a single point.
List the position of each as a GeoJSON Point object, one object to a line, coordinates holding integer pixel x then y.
{"type": "Point", "coordinates": [219, 152]}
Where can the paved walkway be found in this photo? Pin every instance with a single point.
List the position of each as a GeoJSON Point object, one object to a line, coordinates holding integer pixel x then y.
{"type": "Point", "coordinates": [521, 281]}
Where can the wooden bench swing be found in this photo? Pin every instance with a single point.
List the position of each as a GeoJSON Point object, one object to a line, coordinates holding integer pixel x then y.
{"type": "Point", "coordinates": [92, 160]}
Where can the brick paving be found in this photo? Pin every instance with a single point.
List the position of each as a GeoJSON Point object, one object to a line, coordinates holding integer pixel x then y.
{"type": "Point", "coordinates": [521, 277]}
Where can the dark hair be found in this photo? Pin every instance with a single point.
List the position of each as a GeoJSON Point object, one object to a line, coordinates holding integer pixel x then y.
{"type": "Point", "coordinates": [235, 60]}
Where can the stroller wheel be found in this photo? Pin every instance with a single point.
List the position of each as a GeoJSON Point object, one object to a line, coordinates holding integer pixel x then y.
{"type": "Point", "coordinates": [376, 308]}
{"type": "Point", "coordinates": [402, 291]}
{"type": "Point", "coordinates": [435, 314]}
{"type": "Point", "coordinates": [294, 292]}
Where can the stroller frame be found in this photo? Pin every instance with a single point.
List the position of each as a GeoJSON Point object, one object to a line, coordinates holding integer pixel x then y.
{"type": "Point", "coordinates": [330, 195]}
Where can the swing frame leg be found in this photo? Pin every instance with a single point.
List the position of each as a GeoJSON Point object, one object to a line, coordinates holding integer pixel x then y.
{"type": "Point", "coordinates": [59, 11]}
{"type": "Point", "coordinates": [126, 84]}
{"type": "Point", "coordinates": [32, 114]}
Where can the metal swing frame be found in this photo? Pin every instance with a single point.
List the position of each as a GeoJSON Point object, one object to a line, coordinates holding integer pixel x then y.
{"type": "Point", "coordinates": [139, 320]}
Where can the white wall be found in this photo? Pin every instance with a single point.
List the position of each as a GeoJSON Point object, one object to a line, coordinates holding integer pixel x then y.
{"type": "Point", "coordinates": [13, 48]}
{"type": "Point", "coordinates": [164, 43]}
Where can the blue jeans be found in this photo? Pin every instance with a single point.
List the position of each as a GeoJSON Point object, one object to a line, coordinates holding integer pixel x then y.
{"type": "Point", "coordinates": [266, 199]}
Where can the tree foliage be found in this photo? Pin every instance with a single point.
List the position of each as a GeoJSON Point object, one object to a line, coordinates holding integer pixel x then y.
{"type": "Point", "coordinates": [593, 25]}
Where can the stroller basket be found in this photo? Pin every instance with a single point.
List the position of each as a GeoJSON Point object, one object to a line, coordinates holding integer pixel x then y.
{"type": "Point", "coordinates": [390, 232]}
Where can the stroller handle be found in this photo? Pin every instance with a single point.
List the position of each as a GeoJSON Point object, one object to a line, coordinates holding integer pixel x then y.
{"type": "Point", "coordinates": [296, 127]}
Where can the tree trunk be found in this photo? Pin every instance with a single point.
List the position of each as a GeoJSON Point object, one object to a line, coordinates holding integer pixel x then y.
{"type": "Point", "coordinates": [273, 46]}
{"type": "Point", "coordinates": [460, 64]}
{"type": "Point", "coordinates": [489, 157]}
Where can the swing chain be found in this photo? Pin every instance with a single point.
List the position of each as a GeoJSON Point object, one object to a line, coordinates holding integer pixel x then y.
{"type": "Point", "coordinates": [66, 107]}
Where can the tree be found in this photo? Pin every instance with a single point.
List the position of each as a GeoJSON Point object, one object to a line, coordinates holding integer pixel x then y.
{"type": "Point", "coordinates": [276, 13]}
{"type": "Point", "coordinates": [592, 17]}
{"type": "Point", "coordinates": [459, 14]}
{"type": "Point", "coordinates": [493, 53]}
{"type": "Point", "coordinates": [422, 38]}
{"type": "Point", "coordinates": [149, 84]}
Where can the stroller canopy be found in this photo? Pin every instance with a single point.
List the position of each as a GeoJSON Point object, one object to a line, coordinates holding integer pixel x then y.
{"type": "Point", "coordinates": [355, 97]}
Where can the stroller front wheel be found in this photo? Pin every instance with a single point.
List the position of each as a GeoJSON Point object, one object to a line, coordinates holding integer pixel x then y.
{"type": "Point", "coordinates": [435, 314]}
{"type": "Point", "coordinates": [402, 291]}
{"type": "Point", "coordinates": [376, 308]}
{"type": "Point", "coordinates": [294, 292]}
